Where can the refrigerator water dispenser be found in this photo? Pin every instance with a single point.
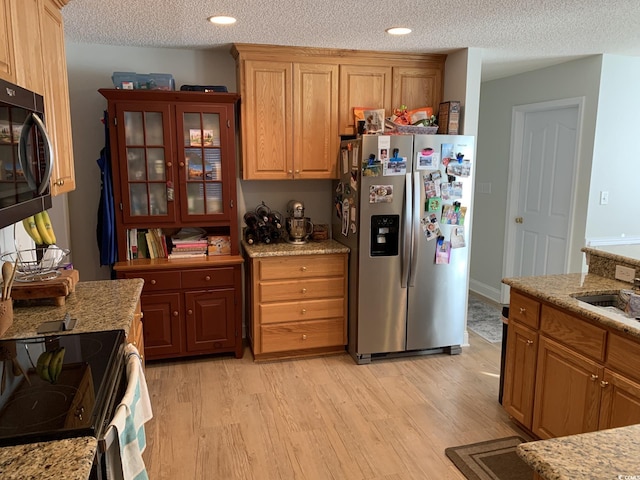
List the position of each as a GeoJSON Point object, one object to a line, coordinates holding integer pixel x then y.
{"type": "Point", "coordinates": [385, 233]}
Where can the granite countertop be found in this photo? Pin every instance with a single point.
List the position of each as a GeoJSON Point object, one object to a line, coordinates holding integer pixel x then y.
{"type": "Point", "coordinates": [97, 305]}
{"type": "Point", "coordinates": [606, 454]}
{"type": "Point", "coordinates": [596, 455]}
{"type": "Point", "coordinates": [282, 248]}
{"type": "Point", "coordinates": [44, 461]}
{"type": "Point", "coordinates": [627, 254]}
{"type": "Point", "coordinates": [560, 290]}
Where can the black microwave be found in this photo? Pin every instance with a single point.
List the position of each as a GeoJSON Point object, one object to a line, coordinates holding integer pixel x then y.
{"type": "Point", "coordinates": [26, 155]}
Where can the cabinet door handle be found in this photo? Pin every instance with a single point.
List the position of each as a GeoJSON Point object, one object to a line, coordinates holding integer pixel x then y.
{"type": "Point", "coordinates": [169, 164]}
{"type": "Point", "coordinates": [603, 384]}
{"type": "Point", "coordinates": [304, 310]}
{"type": "Point", "coordinates": [522, 310]}
{"type": "Point", "coordinates": [297, 172]}
{"type": "Point", "coordinates": [181, 164]}
{"type": "Point", "coordinates": [189, 312]}
{"type": "Point", "coordinates": [304, 336]}
{"type": "Point", "coordinates": [175, 313]}
{"type": "Point", "coordinates": [594, 377]}
{"type": "Point", "coordinates": [304, 290]}
{"type": "Point", "coordinates": [304, 269]}
{"type": "Point", "coordinates": [529, 342]}
{"type": "Point", "coordinates": [207, 278]}
{"type": "Point", "coordinates": [153, 282]}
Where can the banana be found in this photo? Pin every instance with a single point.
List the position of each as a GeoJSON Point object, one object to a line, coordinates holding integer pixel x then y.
{"type": "Point", "coordinates": [55, 365]}
{"type": "Point", "coordinates": [42, 230]}
{"type": "Point", "coordinates": [42, 368]}
{"type": "Point", "coordinates": [48, 226]}
{"type": "Point", "coordinates": [29, 225]}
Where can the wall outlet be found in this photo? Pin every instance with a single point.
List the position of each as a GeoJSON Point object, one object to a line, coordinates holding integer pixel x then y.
{"type": "Point", "coordinates": [625, 274]}
{"type": "Point", "coordinates": [604, 198]}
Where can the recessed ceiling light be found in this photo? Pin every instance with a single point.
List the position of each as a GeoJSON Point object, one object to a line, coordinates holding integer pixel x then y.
{"type": "Point", "coordinates": [221, 20]}
{"type": "Point", "coordinates": [398, 31]}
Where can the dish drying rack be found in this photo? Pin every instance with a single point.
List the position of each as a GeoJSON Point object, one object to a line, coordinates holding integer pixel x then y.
{"type": "Point", "coordinates": [37, 264]}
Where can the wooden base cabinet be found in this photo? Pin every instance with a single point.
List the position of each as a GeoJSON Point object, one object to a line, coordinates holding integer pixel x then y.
{"type": "Point", "coordinates": [191, 311]}
{"type": "Point", "coordinates": [581, 377]}
{"type": "Point", "coordinates": [297, 305]}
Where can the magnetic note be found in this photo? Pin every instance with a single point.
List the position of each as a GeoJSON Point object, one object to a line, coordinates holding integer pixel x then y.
{"type": "Point", "coordinates": [345, 217]}
{"type": "Point", "coordinates": [447, 153]}
{"type": "Point", "coordinates": [428, 159]}
{"type": "Point", "coordinates": [443, 251]}
{"type": "Point", "coordinates": [395, 166]}
{"type": "Point", "coordinates": [345, 160]}
{"type": "Point", "coordinates": [380, 193]}
{"type": "Point", "coordinates": [430, 226]}
{"type": "Point", "coordinates": [457, 237]}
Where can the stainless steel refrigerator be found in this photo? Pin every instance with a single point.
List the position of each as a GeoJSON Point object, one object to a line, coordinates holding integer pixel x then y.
{"type": "Point", "coordinates": [403, 207]}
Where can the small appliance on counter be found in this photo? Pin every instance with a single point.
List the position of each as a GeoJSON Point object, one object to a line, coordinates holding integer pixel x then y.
{"type": "Point", "coordinates": [299, 227]}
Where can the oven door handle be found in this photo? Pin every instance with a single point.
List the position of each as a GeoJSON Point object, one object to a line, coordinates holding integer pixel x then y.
{"type": "Point", "coordinates": [34, 121]}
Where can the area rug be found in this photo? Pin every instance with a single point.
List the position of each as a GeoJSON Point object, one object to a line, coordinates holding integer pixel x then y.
{"type": "Point", "coordinates": [491, 460]}
{"type": "Point", "coordinates": [484, 319]}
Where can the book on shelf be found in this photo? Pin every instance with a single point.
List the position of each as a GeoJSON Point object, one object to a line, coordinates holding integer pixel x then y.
{"type": "Point", "coordinates": [173, 255]}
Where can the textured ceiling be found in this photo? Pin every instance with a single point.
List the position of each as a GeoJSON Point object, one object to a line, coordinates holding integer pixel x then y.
{"type": "Point", "coordinates": [515, 36]}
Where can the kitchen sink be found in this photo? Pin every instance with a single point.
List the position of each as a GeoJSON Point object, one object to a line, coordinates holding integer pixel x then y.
{"type": "Point", "coordinates": [605, 300]}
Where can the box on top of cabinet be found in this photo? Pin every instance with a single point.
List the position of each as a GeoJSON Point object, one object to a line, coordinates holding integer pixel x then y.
{"type": "Point", "coordinates": [449, 118]}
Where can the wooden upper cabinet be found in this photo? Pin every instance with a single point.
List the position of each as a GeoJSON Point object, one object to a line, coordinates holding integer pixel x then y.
{"type": "Point", "coordinates": [27, 44]}
{"type": "Point", "coordinates": [7, 66]}
{"type": "Point", "coordinates": [417, 87]}
{"type": "Point", "coordinates": [315, 120]}
{"type": "Point", "coordinates": [267, 120]}
{"type": "Point", "coordinates": [363, 86]}
{"type": "Point", "coordinates": [297, 101]}
{"type": "Point", "coordinates": [57, 108]}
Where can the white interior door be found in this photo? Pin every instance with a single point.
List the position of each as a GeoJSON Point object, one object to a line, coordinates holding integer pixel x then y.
{"type": "Point", "coordinates": [545, 141]}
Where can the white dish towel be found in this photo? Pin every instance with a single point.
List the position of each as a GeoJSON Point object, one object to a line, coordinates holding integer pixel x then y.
{"type": "Point", "coordinates": [125, 437]}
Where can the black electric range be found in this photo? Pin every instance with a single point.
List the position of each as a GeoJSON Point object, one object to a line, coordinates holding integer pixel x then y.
{"type": "Point", "coordinates": [42, 403]}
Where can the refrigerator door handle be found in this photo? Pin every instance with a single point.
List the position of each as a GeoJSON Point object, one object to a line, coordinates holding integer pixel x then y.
{"type": "Point", "coordinates": [416, 221]}
{"type": "Point", "coordinates": [407, 244]}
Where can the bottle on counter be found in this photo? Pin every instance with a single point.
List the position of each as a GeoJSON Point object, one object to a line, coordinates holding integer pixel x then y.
{"type": "Point", "coordinates": [250, 236]}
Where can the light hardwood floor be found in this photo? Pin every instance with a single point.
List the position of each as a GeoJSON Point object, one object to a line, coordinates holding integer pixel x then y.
{"type": "Point", "coordinates": [322, 418]}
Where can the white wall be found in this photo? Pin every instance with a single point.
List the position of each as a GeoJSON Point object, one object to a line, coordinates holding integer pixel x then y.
{"type": "Point", "coordinates": [497, 98]}
{"type": "Point", "coordinates": [616, 164]}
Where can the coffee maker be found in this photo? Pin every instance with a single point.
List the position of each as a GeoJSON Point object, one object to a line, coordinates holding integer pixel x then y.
{"type": "Point", "coordinates": [299, 227]}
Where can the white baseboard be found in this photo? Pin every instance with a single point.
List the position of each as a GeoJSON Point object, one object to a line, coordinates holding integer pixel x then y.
{"type": "Point", "coordinates": [485, 290]}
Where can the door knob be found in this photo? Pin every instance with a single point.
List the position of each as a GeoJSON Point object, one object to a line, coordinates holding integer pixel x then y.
{"type": "Point", "coordinates": [519, 220]}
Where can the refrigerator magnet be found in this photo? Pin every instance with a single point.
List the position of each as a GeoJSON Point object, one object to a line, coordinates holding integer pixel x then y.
{"type": "Point", "coordinates": [459, 169]}
{"type": "Point", "coordinates": [371, 166]}
{"type": "Point", "coordinates": [430, 226]}
{"type": "Point", "coordinates": [428, 159]}
{"type": "Point", "coordinates": [434, 205]}
{"type": "Point", "coordinates": [345, 217]}
{"type": "Point", "coordinates": [345, 160]}
{"type": "Point", "coordinates": [443, 251]}
{"type": "Point", "coordinates": [355, 156]}
{"type": "Point", "coordinates": [395, 166]}
{"type": "Point", "coordinates": [457, 237]}
{"type": "Point", "coordinates": [381, 194]}
{"type": "Point", "coordinates": [447, 153]}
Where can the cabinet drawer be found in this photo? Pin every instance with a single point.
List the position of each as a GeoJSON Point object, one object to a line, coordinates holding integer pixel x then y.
{"type": "Point", "coordinates": [524, 310]}
{"type": "Point", "coordinates": [154, 281]}
{"type": "Point", "coordinates": [574, 332]}
{"type": "Point", "coordinates": [296, 311]}
{"type": "Point", "coordinates": [302, 335]}
{"type": "Point", "coordinates": [623, 354]}
{"type": "Point", "coordinates": [300, 266]}
{"type": "Point", "coordinates": [301, 290]}
{"type": "Point", "coordinates": [209, 277]}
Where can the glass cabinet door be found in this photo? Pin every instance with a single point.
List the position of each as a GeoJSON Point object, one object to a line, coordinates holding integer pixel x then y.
{"type": "Point", "coordinates": [145, 138]}
{"type": "Point", "coordinates": [201, 163]}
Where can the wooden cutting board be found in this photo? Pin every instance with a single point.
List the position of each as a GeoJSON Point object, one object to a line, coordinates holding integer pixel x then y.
{"type": "Point", "coordinates": [56, 288]}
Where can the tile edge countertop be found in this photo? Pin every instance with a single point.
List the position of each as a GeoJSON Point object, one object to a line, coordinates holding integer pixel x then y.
{"type": "Point", "coordinates": [283, 248]}
{"type": "Point", "coordinates": [559, 290]}
{"type": "Point", "coordinates": [97, 305]}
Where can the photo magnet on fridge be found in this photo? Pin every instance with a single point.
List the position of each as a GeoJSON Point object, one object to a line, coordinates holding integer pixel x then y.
{"type": "Point", "coordinates": [430, 226]}
{"type": "Point", "coordinates": [428, 159]}
{"type": "Point", "coordinates": [380, 193]}
{"type": "Point", "coordinates": [443, 251]}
